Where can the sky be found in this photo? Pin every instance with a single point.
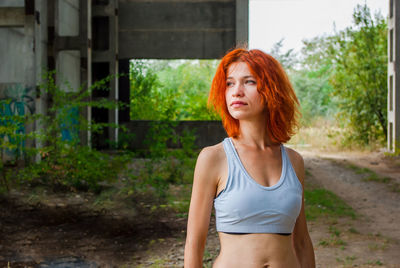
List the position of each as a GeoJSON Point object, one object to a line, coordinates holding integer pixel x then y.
{"type": "Point", "coordinates": [294, 20]}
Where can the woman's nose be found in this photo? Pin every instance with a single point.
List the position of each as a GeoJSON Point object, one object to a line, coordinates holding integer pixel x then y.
{"type": "Point", "coordinates": [237, 90]}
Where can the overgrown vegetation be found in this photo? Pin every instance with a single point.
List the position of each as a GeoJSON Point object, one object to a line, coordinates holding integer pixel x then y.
{"type": "Point", "coordinates": [61, 161]}
{"type": "Point", "coordinates": [344, 77]}
{"type": "Point", "coordinates": [171, 90]}
{"type": "Point", "coordinates": [65, 164]}
{"type": "Point", "coordinates": [360, 76]}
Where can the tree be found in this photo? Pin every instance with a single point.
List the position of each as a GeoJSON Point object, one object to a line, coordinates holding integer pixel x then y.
{"type": "Point", "coordinates": [311, 80]}
{"type": "Point", "coordinates": [171, 89]}
{"type": "Point", "coordinates": [287, 59]}
{"type": "Point", "coordinates": [359, 54]}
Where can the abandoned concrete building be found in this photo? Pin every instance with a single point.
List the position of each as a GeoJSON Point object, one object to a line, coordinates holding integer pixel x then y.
{"type": "Point", "coordinates": [85, 41]}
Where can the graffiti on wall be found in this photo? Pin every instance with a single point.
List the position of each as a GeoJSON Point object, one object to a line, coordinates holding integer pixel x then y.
{"type": "Point", "coordinates": [70, 125]}
{"type": "Point", "coordinates": [15, 100]}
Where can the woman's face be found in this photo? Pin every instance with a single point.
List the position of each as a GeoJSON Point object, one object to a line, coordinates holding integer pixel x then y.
{"type": "Point", "coordinates": [243, 100]}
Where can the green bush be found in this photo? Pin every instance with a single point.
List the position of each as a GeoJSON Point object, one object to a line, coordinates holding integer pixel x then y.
{"type": "Point", "coordinates": [74, 168]}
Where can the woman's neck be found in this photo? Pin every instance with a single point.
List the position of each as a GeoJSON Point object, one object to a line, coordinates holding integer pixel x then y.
{"type": "Point", "coordinates": [254, 133]}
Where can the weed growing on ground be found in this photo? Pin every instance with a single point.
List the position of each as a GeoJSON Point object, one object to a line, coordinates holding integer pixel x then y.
{"type": "Point", "coordinates": [348, 261]}
{"type": "Point", "coordinates": [324, 203]}
{"type": "Point", "coordinates": [333, 241]}
{"type": "Point", "coordinates": [370, 175]}
{"type": "Point", "coordinates": [334, 231]}
{"type": "Point", "coordinates": [376, 246]}
{"type": "Point", "coordinates": [353, 230]}
{"type": "Point", "coordinates": [375, 262]}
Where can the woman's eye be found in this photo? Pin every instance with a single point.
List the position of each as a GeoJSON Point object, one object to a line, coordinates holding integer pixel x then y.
{"type": "Point", "coordinates": [251, 82]}
{"type": "Point", "coordinates": [228, 84]}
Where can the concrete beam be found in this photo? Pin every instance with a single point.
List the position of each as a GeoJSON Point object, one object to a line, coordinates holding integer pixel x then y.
{"type": "Point", "coordinates": [102, 56]}
{"type": "Point", "coordinates": [12, 17]}
{"type": "Point", "coordinates": [176, 44]}
{"type": "Point", "coordinates": [12, 3]}
{"type": "Point", "coordinates": [103, 11]}
{"type": "Point", "coordinates": [167, 14]}
{"type": "Point", "coordinates": [173, 29]}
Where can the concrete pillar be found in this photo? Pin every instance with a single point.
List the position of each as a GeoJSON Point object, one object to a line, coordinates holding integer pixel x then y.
{"type": "Point", "coordinates": [394, 76]}
{"type": "Point", "coordinates": [68, 61]}
{"type": "Point", "coordinates": [242, 22]}
{"type": "Point", "coordinates": [17, 79]}
{"type": "Point", "coordinates": [114, 88]}
{"type": "Point", "coordinates": [124, 91]}
{"type": "Point", "coordinates": [105, 63]}
{"type": "Point", "coordinates": [41, 67]}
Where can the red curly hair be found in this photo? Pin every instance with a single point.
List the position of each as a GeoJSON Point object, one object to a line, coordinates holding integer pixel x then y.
{"type": "Point", "coordinates": [272, 83]}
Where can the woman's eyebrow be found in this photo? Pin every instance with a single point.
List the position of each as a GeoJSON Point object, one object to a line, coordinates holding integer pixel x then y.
{"type": "Point", "coordinates": [247, 76]}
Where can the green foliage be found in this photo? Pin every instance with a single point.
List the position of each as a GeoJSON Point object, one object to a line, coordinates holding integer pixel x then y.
{"type": "Point", "coordinates": [311, 81]}
{"type": "Point", "coordinates": [287, 59]}
{"type": "Point", "coordinates": [345, 74]}
{"type": "Point", "coordinates": [12, 138]}
{"type": "Point", "coordinates": [167, 91]}
{"type": "Point", "coordinates": [309, 72]}
{"type": "Point", "coordinates": [158, 175]}
{"type": "Point", "coordinates": [75, 168]}
{"type": "Point", "coordinates": [171, 90]}
{"type": "Point", "coordinates": [360, 77]}
{"type": "Point", "coordinates": [314, 93]}
{"type": "Point", "coordinates": [63, 161]}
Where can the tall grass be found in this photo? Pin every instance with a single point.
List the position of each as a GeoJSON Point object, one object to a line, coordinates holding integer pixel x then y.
{"type": "Point", "coordinates": [328, 135]}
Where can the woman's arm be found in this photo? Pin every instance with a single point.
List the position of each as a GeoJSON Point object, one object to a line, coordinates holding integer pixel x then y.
{"type": "Point", "coordinates": [301, 238]}
{"type": "Point", "coordinates": [302, 242]}
{"type": "Point", "coordinates": [203, 192]}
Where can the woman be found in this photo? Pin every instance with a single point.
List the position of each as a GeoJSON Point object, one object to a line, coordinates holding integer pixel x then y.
{"type": "Point", "coordinates": [254, 182]}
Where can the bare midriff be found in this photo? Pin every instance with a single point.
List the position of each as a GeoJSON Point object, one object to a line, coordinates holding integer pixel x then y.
{"type": "Point", "coordinates": [256, 251]}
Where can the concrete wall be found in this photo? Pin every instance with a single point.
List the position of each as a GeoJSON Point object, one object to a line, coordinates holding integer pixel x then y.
{"type": "Point", "coordinates": [68, 70]}
{"type": "Point", "coordinates": [13, 54]}
{"type": "Point", "coordinates": [207, 132]}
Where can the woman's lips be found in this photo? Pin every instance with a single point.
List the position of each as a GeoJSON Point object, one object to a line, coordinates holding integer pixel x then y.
{"type": "Point", "coordinates": [237, 104]}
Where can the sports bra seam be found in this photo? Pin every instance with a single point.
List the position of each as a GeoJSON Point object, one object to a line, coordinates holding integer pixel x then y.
{"type": "Point", "coordinates": [265, 229]}
{"type": "Point", "coordinates": [229, 179]}
{"type": "Point", "coordinates": [290, 166]}
{"type": "Point", "coordinates": [286, 214]}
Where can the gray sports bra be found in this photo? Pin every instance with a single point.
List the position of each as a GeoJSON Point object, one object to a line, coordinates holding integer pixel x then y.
{"type": "Point", "coordinates": [245, 206]}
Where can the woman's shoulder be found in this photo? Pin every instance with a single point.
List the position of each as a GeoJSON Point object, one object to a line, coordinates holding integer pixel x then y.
{"type": "Point", "coordinates": [294, 155]}
{"type": "Point", "coordinates": [297, 162]}
{"type": "Point", "coordinates": [210, 163]}
{"type": "Point", "coordinates": [212, 154]}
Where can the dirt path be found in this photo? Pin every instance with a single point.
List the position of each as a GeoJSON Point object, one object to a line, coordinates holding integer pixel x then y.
{"type": "Point", "coordinates": [373, 239]}
{"type": "Point", "coordinates": [372, 200]}
{"type": "Point", "coordinates": [64, 229]}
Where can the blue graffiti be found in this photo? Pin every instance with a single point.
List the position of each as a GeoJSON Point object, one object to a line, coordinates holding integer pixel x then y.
{"type": "Point", "coordinates": [15, 103]}
{"type": "Point", "coordinates": [70, 125]}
